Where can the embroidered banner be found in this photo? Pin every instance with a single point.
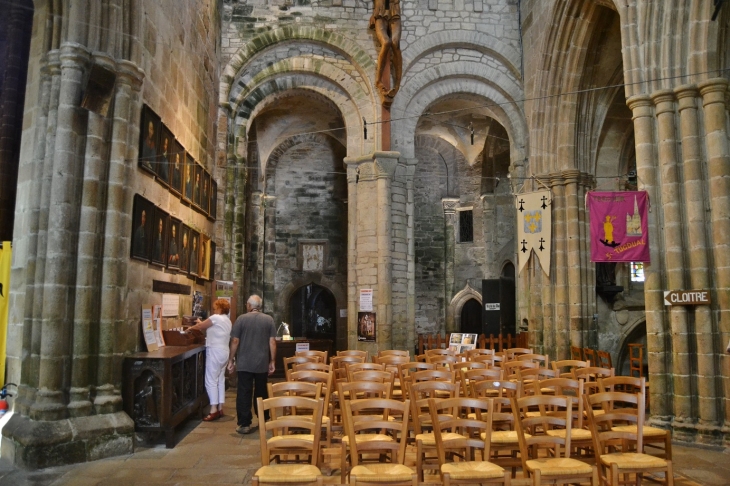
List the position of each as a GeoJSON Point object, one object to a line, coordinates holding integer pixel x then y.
{"type": "Point", "coordinates": [533, 228]}
{"type": "Point", "coordinates": [619, 226]}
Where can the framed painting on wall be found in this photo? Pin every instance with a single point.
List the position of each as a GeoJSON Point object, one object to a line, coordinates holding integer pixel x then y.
{"type": "Point", "coordinates": [212, 213]}
{"type": "Point", "coordinates": [174, 244]}
{"type": "Point", "coordinates": [189, 178]}
{"type": "Point", "coordinates": [158, 247]}
{"type": "Point", "coordinates": [197, 183]}
{"type": "Point", "coordinates": [205, 196]}
{"type": "Point", "coordinates": [204, 263]}
{"type": "Point", "coordinates": [185, 248]}
{"type": "Point", "coordinates": [177, 169]}
{"type": "Point", "coordinates": [164, 155]}
{"type": "Point", "coordinates": [194, 253]}
{"type": "Point", "coordinates": [141, 228]}
{"type": "Point", "coordinates": [149, 134]}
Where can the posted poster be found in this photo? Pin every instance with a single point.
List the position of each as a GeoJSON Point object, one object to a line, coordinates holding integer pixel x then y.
{"type": "Point", "coordinates": [148, 330]}
{"type": "Point", "coordinates": [366, 327]}
{"type": "Point", "coordinates": [619, 226]}
{"type": "Point", "coordinates": [366, 300]}
{"type": "Point", "coordinates": [462, 342]}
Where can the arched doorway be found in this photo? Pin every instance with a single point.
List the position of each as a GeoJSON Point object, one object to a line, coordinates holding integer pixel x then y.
{"type": "Point", "coordinates": [312, 310]}
{"type": "Point", "coordinates": [471, 317]}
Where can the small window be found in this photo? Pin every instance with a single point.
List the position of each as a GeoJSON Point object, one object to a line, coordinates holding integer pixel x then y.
{"type": "Point", "coordinates": [637, 272]}
{"type": "Point", "coordinates": [466, 226]}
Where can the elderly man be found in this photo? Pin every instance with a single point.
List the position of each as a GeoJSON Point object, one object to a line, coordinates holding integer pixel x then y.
{"type": "Point", "coordinates": [252, 354]}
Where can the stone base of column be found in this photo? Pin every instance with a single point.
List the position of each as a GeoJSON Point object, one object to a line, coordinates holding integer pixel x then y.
{"type": "Point", "coordinates": [31, 444]}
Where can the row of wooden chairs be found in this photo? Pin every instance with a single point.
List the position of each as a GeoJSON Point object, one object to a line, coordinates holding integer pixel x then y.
{"type": "Point", "coordinates": [463, 437]}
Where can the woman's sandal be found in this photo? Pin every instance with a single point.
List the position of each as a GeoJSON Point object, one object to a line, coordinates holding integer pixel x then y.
{"type": "Point", "coordinates": [212, 416]}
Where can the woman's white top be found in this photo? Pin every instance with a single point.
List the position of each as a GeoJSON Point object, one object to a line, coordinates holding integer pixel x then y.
{"type": "Point", "coordinates": [219, 334]}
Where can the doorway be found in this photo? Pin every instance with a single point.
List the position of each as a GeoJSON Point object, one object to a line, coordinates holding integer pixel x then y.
{"type": "Point", "coordinates": [471, 317]}
{"type": "Point", "coordinates": [312, 311]}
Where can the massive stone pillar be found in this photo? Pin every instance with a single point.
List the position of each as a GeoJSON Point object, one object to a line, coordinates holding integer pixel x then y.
{"type": "Point", "coordinates": [449, 205]}
{"type": "Point", "coordinates": [378, 246]}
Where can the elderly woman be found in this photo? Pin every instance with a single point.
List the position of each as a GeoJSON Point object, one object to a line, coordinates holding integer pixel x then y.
{"type": "Point", "coordinates": [217, 336]}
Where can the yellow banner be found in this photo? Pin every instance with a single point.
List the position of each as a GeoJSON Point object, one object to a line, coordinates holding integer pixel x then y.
{"type": "Point", "coordinates": [5, 260]}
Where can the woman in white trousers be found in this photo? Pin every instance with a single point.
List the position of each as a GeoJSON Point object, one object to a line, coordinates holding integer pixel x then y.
{"type": "Point", "coordinates": [217, 330]}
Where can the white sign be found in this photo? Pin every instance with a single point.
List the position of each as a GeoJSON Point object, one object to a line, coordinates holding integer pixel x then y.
{"type": "Point", "coordinates": [366, 300]}
{"type": "Point", "coordinates": [491, 306]}
{"type": "Point", "coordinates": [302, 347]}
{"type": "Point", "coordinates": [686, 297]}
{"type": "Point", "coordinates": [170, 305]}
{"type": "Point", "coordinates": [343, 312]}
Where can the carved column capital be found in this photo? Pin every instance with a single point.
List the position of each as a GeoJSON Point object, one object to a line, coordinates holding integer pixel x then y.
{"type": "Point", "coordinates": [450, 204]}
{"type": "Point", "coordinates": [131, 74]}
{"type": "Point", "coordinates": [686, 95]}
{"type": "Point", "coordinates": [640, 106]}
{"type": "Point", "coordinates": [713, 90]}
{"type": "Point", "coordinates": [664, 101]}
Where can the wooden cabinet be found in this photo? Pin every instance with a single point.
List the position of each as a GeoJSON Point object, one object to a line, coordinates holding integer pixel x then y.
{"type": "Point", "coordinates": [162, 388]}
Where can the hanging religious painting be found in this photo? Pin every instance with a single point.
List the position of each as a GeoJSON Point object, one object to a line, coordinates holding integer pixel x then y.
{"type": "Point", "coordinates": [619, 226]}
{"type": "Point", "coordinates": [534, 228]}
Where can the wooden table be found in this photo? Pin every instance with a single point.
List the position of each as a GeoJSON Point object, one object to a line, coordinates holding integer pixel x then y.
{"type": "Point", "coordinates": [162, 388]}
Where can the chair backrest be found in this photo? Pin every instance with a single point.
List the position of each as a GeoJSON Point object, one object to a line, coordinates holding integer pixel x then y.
{"type": "Point", "coordinates": [295, 360]}
{"type": "Point", "coordinates": [542, 359]}
{"type": "Point", "coordinates": [591, 375]}
{"type": "Point", "coordinates": [377, 376]}
{"type": "Point", "coordinates": [467, 365]}
{"type": "Point", "coordinates": [385, 419]}
{"type": "Point", "coordinates": [354, 352]}
{"type": "Point", "coordinates": [312, 352]}
{"type": "Point", "coordinates": [565, 387]}
{"type": "Point", "coordinates": [452, 415]}
{"type": "Point", "coordinates": [561, 365]}
{"type": "Point", "coordinates": [496, 388]}
{"type": "Point", "coordinates": [477, 374]}
{"type": "Point", "coordinates": [391, 360]}
{"type": "Point", "coordinates": [338, 362]}
{"type": "Point", "coordinates": [355, 367]}
{"type": "Point", "coordinates": [287, 413]}
{"type": "Point", "coordinates": [365, 389]}
{"type": "Point", "coordinates": [630, 384]}
{"type": "Point", "coordinates": [510, 368]}
{"type": "Point", "coordinates": [479, 352]}
{"type": "Point", "coordinates": [442, 361]}
{"type": "Point", "coordinates": [576, 353]}
{"type": "Point", "coordinates": [511, 353]}
{"type": "Point", "coordinates": [434, 374]}
{"type": "Point", "coordinates": [312, 366]}
{"type": "Point", "coordinates": [440, 352]}
{"type": "Point", "coordinates": [312, 376]}
{"type": "Point", "coordinates": [393, 352]}
{"type": "Point", "coordinates": [491, 360]}
{"type": "Point", "coordinates": [532, 430]}
{"type": "Point", "coordinates": [295, 388]}
{"type": "Point", "coordinates": [419, 394]}
{"type": "Point", "coordinates": [604, 359]}
{"type": "Point", "coordinates": [618, 408]}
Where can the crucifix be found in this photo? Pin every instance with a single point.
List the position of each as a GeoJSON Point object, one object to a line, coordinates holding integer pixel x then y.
{"type": "Point", "coordinates": [386, 21]}
{"type": "Point", "coordinates": [524, 246]}
{"type": "Point", "coordinates": [543, 202]}
{"type": "Point", "coordinates": [542, 240]}
{"type": "Point", "coordinates": [521, 201]}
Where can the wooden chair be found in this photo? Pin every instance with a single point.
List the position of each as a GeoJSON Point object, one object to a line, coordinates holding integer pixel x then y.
{"type": "Point", "coordinates": [616, 446]}
{"type": "Point", "coordinates": [393, 352]}
{"type": "Point", "coordinates": [444, 361]}
{"type": "Point", "coordinates": [527, 376]}
{"type": "Point", "coordinates": [355, 367]}
{"type": "Point", "coordinates": [404, 373]}
{"type": "Point", "coordinates": [479, 352]}
{"type": "Point", "coordinates": [652, 437]}
{"type": "Point", "coordinates": [604, 359]}
{"type": "Point", "coordinates": [591, 375]}
{"type": "Point", "coordinates": [496, 388]}
{"type": "Point", "coordinates": [376, 427]}
{"type": "Point", "coordinates": [541, 359]}
{"type": "Point", "coordinates": [509, 368]}
{"type": "Point", "coordinates": [561, 365]}
{"type": "Point", "coordinates": [357, 390]}
{"type": "Point", "coordinates": [433, 375]}
{"type": "Point", "coordinates": [576, 353]}
{"type": "Point", "coordinates": [311, 366]}
{"type": "Point", "coordinates": [354, 352]}
{"type": "Point", "coordinates": [540, 433]}
{"type": "Point", "coordinates": [283, 444]}
{"type": "Point", "coordinates": [312, 376]}
{"type": "Point", "coordinates": [491, 360]}
{"type": "Point", "coordinates": [468, 376]}
{"type": "Point", "coordinates": [321, 354]}
{"type": "Point", "coordinates": [295, 360]}
{"type": "Point", "coordinates": [458, 435]}
{"type": "Point", "coordinates": [467, 365]}
{"type": "Point", "coordinates": [512, 353]}
{"type": "Point", "coordinates": [391, 360]}
{"type": "Point", "coordinates": [440, 352]}
{"type": "Point", "coordinates": [590, 355]}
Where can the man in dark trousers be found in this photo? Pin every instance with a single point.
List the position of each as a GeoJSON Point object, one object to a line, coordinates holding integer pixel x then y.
{"type": "Point", "coordinates": [252, 354]}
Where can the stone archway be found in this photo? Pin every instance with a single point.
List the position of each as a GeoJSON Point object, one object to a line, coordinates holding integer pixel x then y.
{"type": "Point", "coordinates": [453, 313]}
{"type": "Point", "coordinates": [313, 312]}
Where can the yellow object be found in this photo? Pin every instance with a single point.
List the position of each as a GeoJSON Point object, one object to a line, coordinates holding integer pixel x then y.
{"type": "Point", "coordinates": [5, 261]}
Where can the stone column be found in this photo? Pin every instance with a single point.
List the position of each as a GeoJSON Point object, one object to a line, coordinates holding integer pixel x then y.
{"type": "Point", "coordinates": [269, 252]}
{"type": "Point", "coordinates": [450, 205]}
{"type": "Point", "coordinates": [411, 257]}
{"type": "Point", "coordinates": [694, 203]}
{"type": "Point", "coordinates": [384, 167]}
{"type": "Point", "coordinates": [124, 136]}
{"type": "Point", "coordinates": [352, 295]}
{"type": "Point", "coordinates": [646, 163]}
{"type": "Point", "coordinates": [559, 275]}
{"type": "Point", "coordinates": [673, 251]}
{"type": "Point", "coordinates": [62, 237]}
{"type": "Point", "coordinates": [713, 93]}
{"type": "Point", "coordinates": [575, 264]}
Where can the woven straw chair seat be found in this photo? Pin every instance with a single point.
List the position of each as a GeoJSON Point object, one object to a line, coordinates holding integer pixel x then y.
{"type": "Point", "coordinates": [559, 466]}
{"type": "Point", "coordinates": [367, 437]}
{"type": "Point", "coordinates": [505, 437]}
{"type": "Point", "coordinates": [633, 460]}
{"type": "Point", "coordinates": [472, 470]}
{"type": "Point", "coordinates": [646, 430]}
{"type": "Point", "coordinates": [382, 473]}
{"type": "Point", "coordinates": [430, 440]}
{"type": "Point", "coordinates": [575, 434]}
{"type": "Point", "coordinates": [288, 473]}
{"type": "Point", "coordinates": [304, 437]}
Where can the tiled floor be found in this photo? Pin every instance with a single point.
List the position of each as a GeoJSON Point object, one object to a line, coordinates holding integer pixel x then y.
{"type": "Point", "coordinates": [214, 454]}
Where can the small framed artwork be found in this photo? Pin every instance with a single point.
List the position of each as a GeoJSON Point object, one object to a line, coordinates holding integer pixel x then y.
{"type": "Point", "coordinates": [174, 244]}
{"type": "Point", "coordinates": [205, 196]}
{"type": "Point", "coordinates": [149, 134]}
{"type": "Point", "coordinates": [142, 216]}
{"type": "Point", "coordinates": [158, 247]}
{"type": "Point", "coordinates": [366, 327]}
{"type": "Point", "coordinates": [197, 184]}
{"type": "Point", "coordinates": [185, 248]}
{"type": "Point", "coordinates": [211, 264]}
{"type": "Point", "coordinates": [194, 253]}
{"type": "Point", "coordinates": [164, 155]}
{"type": "Point", "coordinates": [177, 169]}
{"type": "Point", "coordinates": [212, 213]}
{"type": "Point", "coordinates": [189, 178]}
{"type": "Point", "coordinates": [204, 264]}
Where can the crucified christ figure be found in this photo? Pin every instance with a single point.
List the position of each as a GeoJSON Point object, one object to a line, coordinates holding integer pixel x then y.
{"type": "Point", "coordinates": [386, 23]}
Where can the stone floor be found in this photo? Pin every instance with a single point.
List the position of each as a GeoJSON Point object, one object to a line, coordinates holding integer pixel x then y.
{"type": "Point", "coordinates": [214, 454]}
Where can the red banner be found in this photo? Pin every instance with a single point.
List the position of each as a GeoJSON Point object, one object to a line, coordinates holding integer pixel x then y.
{"type": "Point", "coordinates": [619, 226]}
